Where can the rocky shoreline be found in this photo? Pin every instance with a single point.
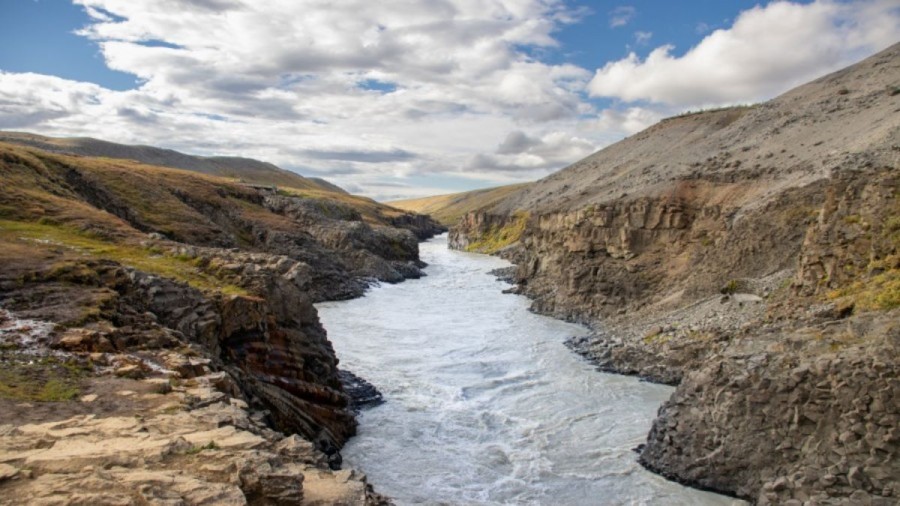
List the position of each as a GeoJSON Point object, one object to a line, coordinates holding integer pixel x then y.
{"type": "Point", "coordinates": [182, 432]}
{"type": "Point", "coordinates": [187, 308]}
{"type": "Point", "coordinates": [728, 254]}
{"type": "Point", "coordinates": [779, 400]}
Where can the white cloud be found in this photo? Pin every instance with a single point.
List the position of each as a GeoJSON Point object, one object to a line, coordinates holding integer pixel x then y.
{"type": "Point", "coordinates": [642, 38]}
{"type": "Point", "coordinates": [620, 123]}
{"type": "Point", "coordinates": [291, 82]}
{"type": "Point", "coordinates": [378, 94]}
{"type": "Point", "coordinates": [766, 51]}
{"type": "Point", "coordinates": [621, 16]}
{"type": "Point", "coordinates": [519, 152]}
{"type": "Point", "coordinates": [30, 99]}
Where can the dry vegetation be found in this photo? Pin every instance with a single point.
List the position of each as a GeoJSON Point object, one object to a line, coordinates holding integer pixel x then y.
{"type": "Point", "coordinates": [237, 169]}
{"type": "Point", "coordinates": [448, 209]}
{"type": "Point", "coordinates": [498, 237]}
{"type": "Point", "coordinates": [50, 213]}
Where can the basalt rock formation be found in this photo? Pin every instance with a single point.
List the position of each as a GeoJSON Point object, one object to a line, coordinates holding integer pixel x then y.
{"type": "Point", "coordinates": [748, 255]}
{"type": "Point", "coordinates": [150, 425]}
{"type": "Point", "coordinates": [152, 274]}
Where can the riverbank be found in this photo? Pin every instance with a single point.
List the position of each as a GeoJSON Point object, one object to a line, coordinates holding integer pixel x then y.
{"type": "Point", "coordinates": [748, 255]}
{"type": "Point", "coordinates": [485, 404]}
{"type": "Point", "coordinates": [188, 303]}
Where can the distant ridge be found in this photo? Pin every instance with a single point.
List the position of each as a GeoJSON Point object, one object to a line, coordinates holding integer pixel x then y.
{"type": "Point", "coordinates": [448, 209]}
{"type": "Point", "coordinates": [246, 169]}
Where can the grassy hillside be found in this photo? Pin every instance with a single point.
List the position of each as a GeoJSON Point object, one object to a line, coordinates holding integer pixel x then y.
{"type": "Point", "coordinates": [448, 209]}
{"type": "Point", "coordinates": [103, 208]}
{"type": "Point", "coordinates": [236, 168]}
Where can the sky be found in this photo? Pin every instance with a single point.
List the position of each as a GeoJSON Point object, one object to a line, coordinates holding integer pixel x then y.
{"type": "Point", "coordinates": [406, 98]}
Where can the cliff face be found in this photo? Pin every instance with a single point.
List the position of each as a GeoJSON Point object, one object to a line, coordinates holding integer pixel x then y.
{"type": "Point", "coordinates": [618, 257]}
{"type": "Point", "coordinates": [144, 419]}
{"type": "Point", "coordinates": [157, 275]}
{"type": "Point", "coordinates": [802, 403]}
{"type": "Point", "coordinates": [749, 256]}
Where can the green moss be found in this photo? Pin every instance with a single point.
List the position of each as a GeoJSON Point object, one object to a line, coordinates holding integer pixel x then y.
{"type": "Point", "coordinates": [656, 336]}
{"type": "Point", "coordinates": [892, 224]}
{"type": "Point", "coordinates": [499, 237]}
{"type": "Point", "coordinates": [46, 380]}
{"type": "Point", "coordinates": [197, 449]}
{"type": "Point", "coordinates": [732, 286]}
{"type": "Point", "coordinates": [150, 260]}
{"type": "Point", "coordinates": [877, 293]}
{"type": "Point", "coordinates": [56, 391]}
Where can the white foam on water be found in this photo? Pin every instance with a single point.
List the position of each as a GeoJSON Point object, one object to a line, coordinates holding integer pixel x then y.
{"type": "Point", "coordinates": [485, 404]}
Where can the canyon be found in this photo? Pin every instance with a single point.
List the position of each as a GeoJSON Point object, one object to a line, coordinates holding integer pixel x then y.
{"type": "Point", "coordinates": [748, 255]}
{"type": "Point", "coordinates": [159, 340]}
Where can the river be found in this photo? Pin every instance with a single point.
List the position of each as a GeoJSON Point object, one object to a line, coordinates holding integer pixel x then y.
{"type": "Point", "coordinates": [485, 405]}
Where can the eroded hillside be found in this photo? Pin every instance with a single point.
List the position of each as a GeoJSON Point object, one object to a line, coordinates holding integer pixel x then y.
{"type": "Point", "coordinates": [244, 169]}
{"type": "Point", "coordinates": [198, 285]}
{"type": "Point", "coordinates": [749, 255]}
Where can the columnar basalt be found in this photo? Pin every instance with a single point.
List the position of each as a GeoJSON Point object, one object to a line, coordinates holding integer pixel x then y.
{"type": "Point", "coordinates": [750, 256]}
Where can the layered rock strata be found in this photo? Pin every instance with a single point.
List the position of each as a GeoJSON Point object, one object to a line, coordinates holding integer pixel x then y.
{"type": "Point", "coordinates": [145, 272]}
{"type": "Point", "coordinates": [749, 256]}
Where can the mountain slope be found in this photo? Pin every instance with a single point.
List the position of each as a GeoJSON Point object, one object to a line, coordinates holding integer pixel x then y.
{"type": "Point", "coordinates": [751, 256]}
{"type": "Point", "coordinates": [448, 209]}
{"type": "Point", "coordinates": [134, 257]}
{"type": "Point", "coordinates": [244, 169]}
{"type": "Point", "coordinates": [794, 139]}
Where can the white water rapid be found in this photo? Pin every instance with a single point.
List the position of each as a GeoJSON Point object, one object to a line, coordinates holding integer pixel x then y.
{"type": "Point", "coordinates": [485, 405]}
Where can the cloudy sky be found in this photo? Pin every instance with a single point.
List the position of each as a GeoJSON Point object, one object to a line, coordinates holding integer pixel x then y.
{"type": "Point", "coordinates": [405, 98]}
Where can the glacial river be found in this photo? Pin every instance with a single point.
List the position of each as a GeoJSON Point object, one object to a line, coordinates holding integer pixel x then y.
{"type": "Point", "coordinates": [485, 405]}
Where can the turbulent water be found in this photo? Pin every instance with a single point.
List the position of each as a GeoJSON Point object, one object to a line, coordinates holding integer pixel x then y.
{"type": "Point", "coordinates": [485, 404]}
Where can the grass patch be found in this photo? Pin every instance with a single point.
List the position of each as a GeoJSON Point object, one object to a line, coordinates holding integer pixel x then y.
{"type": "Point", "coordinates": [22, 378]}
{"type": "Point", "coordinates": [499, 237]}
{"type": "Point", "coordinates": [138, 257]}
{"type": "Point", "coordinates": [197, 449]}
{"type": "Point", "coordinates": [732, 286]}
{"type": "Point", "coordinates": [878, 293]}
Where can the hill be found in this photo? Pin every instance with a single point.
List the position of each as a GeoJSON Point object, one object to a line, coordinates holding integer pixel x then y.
{"type": "Point", "coordinates": [448, 209]}
{"type": "Point", "coordinates": [243, 169]}
{"type": "Point", "coordinates": [751, 256]}
{"type": "Point", "coordinates": [183, 302]}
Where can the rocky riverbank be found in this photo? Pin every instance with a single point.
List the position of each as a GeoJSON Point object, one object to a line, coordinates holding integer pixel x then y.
{"type": "Point", "coordinates": [186, 310]}
{"type": "Point", "coordinates": [153, 426]}
{"type": "Point", "coordinates": [750, 257]}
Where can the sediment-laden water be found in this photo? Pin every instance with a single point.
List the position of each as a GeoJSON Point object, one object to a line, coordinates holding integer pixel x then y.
{"type": "Point", "coordinates": [485, 405]}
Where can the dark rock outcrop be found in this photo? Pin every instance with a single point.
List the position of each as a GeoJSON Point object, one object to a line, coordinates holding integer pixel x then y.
{"type": "Point", "coordinates": [781, 426]}
{"type": "Point", "coordinates": [750, 256]}
{"type": "Point", "coordinates": [130, 257]}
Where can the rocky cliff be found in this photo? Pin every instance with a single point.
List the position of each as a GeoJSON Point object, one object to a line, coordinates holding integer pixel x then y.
{"type": "Point", "coordinates": [164, 276]}
{"type": "Point", "coordinates": [748, 255]}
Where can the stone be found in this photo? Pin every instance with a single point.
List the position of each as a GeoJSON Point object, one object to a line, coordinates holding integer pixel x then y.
{"type": "Point", "coordinates": [132, 371]}
{"type": "Point", "coordinates": [7, 471]}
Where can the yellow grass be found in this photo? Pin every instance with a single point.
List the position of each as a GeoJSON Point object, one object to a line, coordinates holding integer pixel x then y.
{"type": "Point", "coordinates": [138, 257]}
{"type": "Point", "coordinates": [448, 209]}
